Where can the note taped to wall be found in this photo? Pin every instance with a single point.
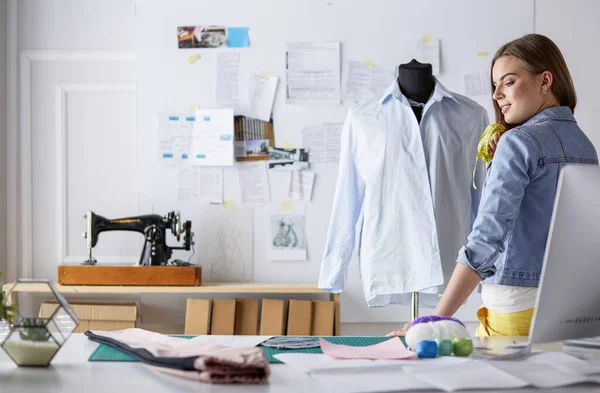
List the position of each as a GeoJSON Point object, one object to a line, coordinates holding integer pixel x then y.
{"type": "Point", "coordinates": [202, 139]}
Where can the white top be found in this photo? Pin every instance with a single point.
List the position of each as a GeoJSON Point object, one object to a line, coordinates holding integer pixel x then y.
{"type": "Point", "coordinates": [408, 187]}
{"type": "Point", "coordinates": [507, 298]}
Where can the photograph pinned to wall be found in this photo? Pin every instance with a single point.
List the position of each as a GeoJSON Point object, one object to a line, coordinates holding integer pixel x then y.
{"type": "Point", "coordinates": [259, 147]}
{"type": "Point", "coordinates": [287, 233]}
{"type": "Point", "coordinates": [288, 165]}
{"type": "Point", "coordinates": [278, 153]}
{"type": "Point", "coordinates": [201, 37]}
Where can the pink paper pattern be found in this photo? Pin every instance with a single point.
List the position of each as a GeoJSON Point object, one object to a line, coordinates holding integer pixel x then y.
{"type": "Point", "coordinates": [390, 349]}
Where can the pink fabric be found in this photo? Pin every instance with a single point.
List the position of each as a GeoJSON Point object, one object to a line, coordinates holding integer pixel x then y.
{"type": "Point", "coordinates": [389, 349]}
{"type": "Point", "coordinates": [215, 363]}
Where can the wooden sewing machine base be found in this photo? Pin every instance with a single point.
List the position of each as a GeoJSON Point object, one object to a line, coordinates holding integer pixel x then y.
{"type": "Point", "coordinates": [130, 275]}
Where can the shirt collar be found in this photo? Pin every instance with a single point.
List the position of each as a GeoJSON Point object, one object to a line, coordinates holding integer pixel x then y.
{"type": "Point", "coordinates": [439, 92]}
{"type": "Point", "coordinates": [553, 113]}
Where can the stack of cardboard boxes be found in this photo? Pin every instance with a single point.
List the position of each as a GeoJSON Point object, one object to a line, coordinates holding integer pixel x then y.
{"type": "Point", "coordinates": [241, 317]}
{"type": "Point", "coordinates": [98, 316]}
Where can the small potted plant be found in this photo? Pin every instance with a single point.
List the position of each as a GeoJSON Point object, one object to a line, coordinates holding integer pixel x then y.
{"type": "Point", "coordinates": [6, 312]}
{"type": "Point", "coordinates": [33, 341]}
{"type": "Point", "coordinates": [7, 316]}
{"type": "Point", "coordinates": [30, 343]}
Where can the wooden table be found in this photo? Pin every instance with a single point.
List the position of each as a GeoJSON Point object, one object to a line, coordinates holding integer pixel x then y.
{"type": "Point", "coordinates": [234, 288]}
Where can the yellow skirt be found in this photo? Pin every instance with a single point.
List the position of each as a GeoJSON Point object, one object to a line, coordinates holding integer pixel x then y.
{"type": "Point", "coordinates": [499, 324]}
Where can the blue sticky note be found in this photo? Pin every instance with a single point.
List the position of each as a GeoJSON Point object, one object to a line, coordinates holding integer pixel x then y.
{"type": "Point", "coordinates": [167, 155]}
{"type": "Point", "coordinates": [200, 155]}
{"type": "Point", "coordinates": [184, 156]}
{"type": "Point", "coordinates": [237, 37]}
{"type": "Point", "coordinates": [174, 118]}
{"type": "Point", "coordinates": [225, 137]}
{"type": "Point", "coordinates": [190, 118]}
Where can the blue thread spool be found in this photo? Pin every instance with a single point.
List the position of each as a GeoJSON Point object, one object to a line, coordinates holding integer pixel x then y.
{"type": "Point", "coordinates": [427, 349]}
{"type": "Point", "coordinates": [444, 347]}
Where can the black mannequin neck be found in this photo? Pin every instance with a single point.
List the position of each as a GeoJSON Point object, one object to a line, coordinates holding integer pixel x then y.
{"type": "Point", "coordinates": [416, 82]}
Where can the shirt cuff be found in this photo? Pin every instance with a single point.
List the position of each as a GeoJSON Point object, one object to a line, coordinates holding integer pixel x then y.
{"type": "Point", "coordinates": [482, 271]}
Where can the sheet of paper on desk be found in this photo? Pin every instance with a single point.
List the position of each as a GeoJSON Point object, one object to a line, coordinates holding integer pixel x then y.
{"type": "Point", "coordinates": [475, 375]}
{"type": "Point", "coordinates": [362, 375]}
{"type": "Point", "coordinates": [262, 96]}
{"type": "Point", "coordinates": [390, 349]}
{"type": "Point", "coordinates": [372, 381]}
{"type": "Point", "coordinates": [318, 363]}
{"type": "Point", "coordinates": [542, 370]}
{"type": "Point", "coordinates": [551, 369]}
{"type": "Point", "coordinates": [541, 375]}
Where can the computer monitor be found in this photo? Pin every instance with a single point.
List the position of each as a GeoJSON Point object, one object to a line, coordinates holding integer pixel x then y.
{"type": "Point", "coordinates": [568, 299]}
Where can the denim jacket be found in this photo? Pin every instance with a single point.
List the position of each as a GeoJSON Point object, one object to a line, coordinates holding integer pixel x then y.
{"type": "Point", "coordinates": [508, 240]}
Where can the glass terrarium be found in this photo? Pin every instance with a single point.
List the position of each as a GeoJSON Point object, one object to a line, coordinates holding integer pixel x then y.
{"type": "Point", "coordinates": [33, 341]}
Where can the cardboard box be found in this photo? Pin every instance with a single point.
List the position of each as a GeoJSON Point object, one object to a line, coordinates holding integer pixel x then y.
{"type": "Point", "coordinates": [322, 318]}
{"type": "Point", "coordinates": [97, 316]}
{"type": "Point", "coordinates": [299, 318]}
{"type": "Point", "coordinates": [272, 317]}
{"type": "Point", "coordinates": [246, 317]}
{"type": "Point", "coordinates": [222, 319]}
{"type": "Point", "coordinates": [197, 316]}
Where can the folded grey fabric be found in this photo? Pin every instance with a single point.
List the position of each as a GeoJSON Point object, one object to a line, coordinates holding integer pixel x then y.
{"type": "Point", "coordinates": [187, 358]}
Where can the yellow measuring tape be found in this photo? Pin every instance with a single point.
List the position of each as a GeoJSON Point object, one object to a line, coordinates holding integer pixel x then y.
{"type": "Point", "coordinates": [484, 142]}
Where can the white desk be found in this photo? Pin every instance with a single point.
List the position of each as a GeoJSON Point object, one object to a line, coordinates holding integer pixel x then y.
{"type": "Point", "coordinates": [71, 372]}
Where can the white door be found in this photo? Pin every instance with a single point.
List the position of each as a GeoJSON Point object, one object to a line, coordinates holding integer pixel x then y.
{"type": "Point", "coordinates": [78, 145]}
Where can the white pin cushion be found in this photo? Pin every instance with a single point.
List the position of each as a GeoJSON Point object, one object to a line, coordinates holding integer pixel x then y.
{"type": "Point", "coordinates": [434, 327]}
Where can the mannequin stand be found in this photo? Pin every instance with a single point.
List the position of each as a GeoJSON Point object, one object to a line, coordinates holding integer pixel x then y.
{"type": "Point", "coordinates": [414, 306]}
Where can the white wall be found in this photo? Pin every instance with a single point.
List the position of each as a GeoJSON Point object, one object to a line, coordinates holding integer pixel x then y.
{"type": "Point", "coordinates": [72, 24]}
{"type": "Point", "coordinates": [574, 27]}
{"type": "Point", "coordinates": [109, 25]}
{"type": "Point", "coordinates": [3, 134]}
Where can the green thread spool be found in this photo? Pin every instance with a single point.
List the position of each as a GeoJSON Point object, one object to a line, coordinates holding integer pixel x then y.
{"type": "Point", "coordinates": [445, 347]}
{"type": "Point", "coordinates": [462, 346]}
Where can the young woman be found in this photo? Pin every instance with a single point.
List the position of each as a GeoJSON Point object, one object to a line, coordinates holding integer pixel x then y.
{"type": "Point", "coordinates": [534, 98]}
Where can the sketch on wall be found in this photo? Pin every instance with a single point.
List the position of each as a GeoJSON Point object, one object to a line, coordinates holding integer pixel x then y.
{"type": "Point", "coordinates": [227, 245]}
{"type": "Point", "coordinates": [287, 237]}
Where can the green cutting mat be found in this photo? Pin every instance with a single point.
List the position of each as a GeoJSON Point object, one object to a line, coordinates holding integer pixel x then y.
{"type": "Point", "coordinates": [104, 353]}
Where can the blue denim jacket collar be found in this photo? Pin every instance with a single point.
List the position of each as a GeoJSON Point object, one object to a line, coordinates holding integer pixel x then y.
{"type": "Point", "coordinates": [553, 113]}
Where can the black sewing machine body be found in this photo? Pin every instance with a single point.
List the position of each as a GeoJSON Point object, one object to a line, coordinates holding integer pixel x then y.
{"type": "Point", "coordinates": [154, 227]}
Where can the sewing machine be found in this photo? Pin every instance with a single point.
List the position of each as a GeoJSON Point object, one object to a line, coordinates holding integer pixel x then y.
{"type": "Point", "coordinates": [155, 251]}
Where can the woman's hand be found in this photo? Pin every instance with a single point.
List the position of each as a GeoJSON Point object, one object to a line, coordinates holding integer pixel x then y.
{"type": "Point", "coordinates": [401, 332]}
{"type": "Point", "coordinates": [494, 143]}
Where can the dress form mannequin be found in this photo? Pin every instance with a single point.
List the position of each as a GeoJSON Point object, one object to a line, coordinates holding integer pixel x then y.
{"type": "Point", "coordinates": [416, 82]}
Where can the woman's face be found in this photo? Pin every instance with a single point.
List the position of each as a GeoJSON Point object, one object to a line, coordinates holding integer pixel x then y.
{"type": "Point", "coordinates": [519, 94]}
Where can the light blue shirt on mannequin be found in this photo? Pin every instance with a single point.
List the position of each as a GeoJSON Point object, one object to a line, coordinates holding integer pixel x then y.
{"type": "Point", "coordinates": [408, 187]}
